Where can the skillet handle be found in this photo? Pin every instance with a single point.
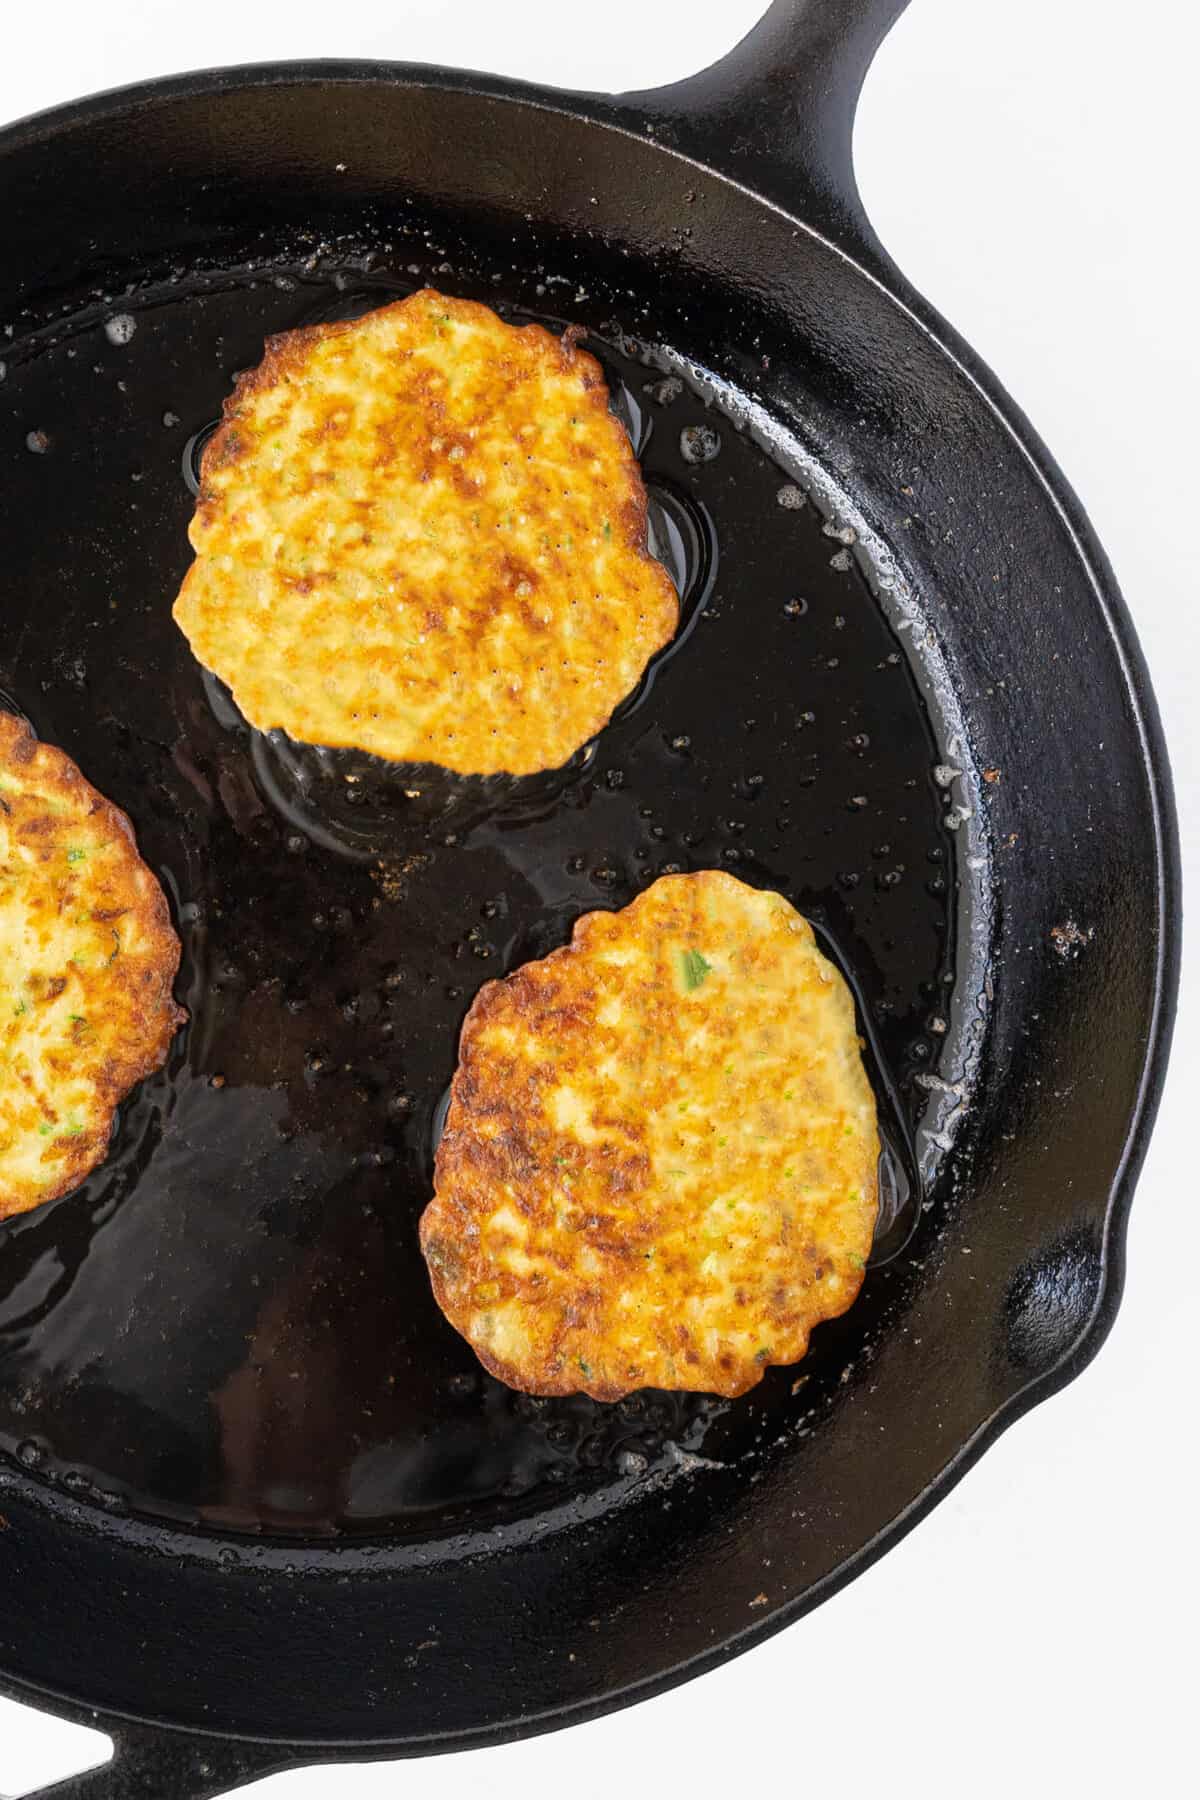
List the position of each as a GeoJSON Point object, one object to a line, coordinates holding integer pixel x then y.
{"type": "Point", "coordinates": [777, 113]}
{"type": "Point", "coordinates": [168, 1765]}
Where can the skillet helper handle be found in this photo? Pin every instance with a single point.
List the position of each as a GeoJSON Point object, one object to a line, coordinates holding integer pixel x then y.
{"type": "Point", "coordinates": [778, 112]}
{"type": "Point", "coordinates": [168, 1765]}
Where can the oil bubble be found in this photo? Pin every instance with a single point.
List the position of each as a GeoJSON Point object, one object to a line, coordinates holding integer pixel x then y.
{"type": "Point", "coordinates": [699, 443]}
{"type": "Point", "coordinates": [193, 453]}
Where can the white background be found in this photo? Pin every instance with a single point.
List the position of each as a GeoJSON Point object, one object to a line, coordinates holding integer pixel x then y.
{"type": "Point", "coordinates": [1033, 167]}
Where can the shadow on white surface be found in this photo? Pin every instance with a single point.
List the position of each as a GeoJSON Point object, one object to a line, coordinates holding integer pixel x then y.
{"type": "Point", "coordinates": [36, 1750]}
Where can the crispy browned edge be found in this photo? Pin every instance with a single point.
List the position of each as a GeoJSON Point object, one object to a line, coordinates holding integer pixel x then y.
{"type": "Point", "coordinates": [287, 350]}
{"type": "Point", "coordinates": [449, 1156]}
{"type": "Point", "coordinates": [115, 1077]}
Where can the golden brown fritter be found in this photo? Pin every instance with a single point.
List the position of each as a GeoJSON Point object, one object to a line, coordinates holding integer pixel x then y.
{"type": "Point", "coordinates": [87, 959]}
{"type": "Point", "coordinates": [422, 533]}
{"type": "Point", "coordinates": [659, 1166]}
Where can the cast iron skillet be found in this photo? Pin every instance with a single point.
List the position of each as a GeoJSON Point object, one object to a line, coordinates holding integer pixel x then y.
{"type": "Point", "coordinates": [260, 1507]}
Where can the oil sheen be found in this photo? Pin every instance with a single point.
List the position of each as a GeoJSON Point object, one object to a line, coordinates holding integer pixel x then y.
{"type": "Point", "coordinates": [231, 1323]}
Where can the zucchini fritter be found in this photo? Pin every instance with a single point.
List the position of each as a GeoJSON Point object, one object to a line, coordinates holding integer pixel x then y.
{"type": "Point", "coordinates": [659, 1166]}
{"type": "Point", "coordinates": [422, 533]}
{"type": "Point", "coordinates": [87, 959]}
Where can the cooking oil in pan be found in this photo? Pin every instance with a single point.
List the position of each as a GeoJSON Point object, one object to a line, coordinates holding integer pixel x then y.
{"type": "Point", "coordinates": [230, 1323]}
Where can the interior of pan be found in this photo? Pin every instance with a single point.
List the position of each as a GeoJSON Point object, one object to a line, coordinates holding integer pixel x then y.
{"type": "Point", "coordinates": [225, 1345]}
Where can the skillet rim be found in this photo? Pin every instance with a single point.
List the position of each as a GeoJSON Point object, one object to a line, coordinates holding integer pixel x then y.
{"type": "Point", "coordinates": [868, 261]}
